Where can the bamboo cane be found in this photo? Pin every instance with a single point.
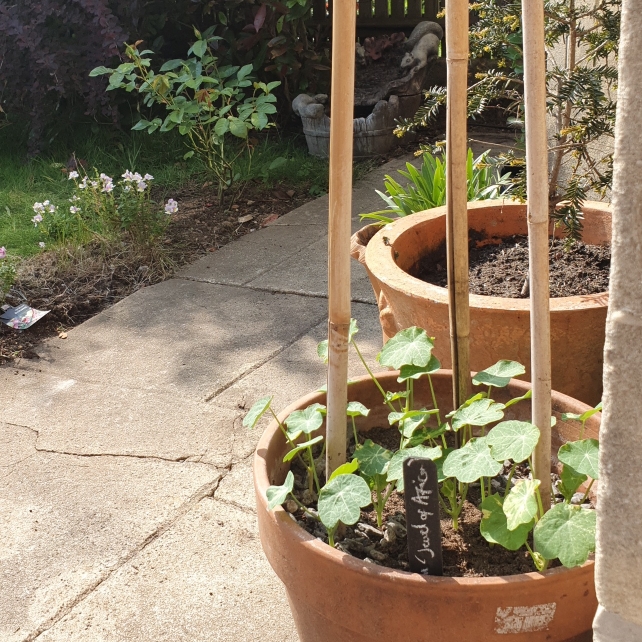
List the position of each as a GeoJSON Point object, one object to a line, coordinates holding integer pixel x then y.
{"type": "Point", "coordinates": [339, 227]}
{"type": "Point", "coordinates": [537, 194]}
{"type": "Point", "coordinates": [456, 195]}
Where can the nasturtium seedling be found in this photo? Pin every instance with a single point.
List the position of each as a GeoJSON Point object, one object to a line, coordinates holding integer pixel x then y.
{"type": "Point", "coordinates": [255, 413]}
{"type": "Point", "coordinates": [305, 421]}
{"type": "Point", "coordinates": [571, 481]}
{"type": "Point", "coordinates": [499, 374]}
{"type": "Point", "coordinates": [520, 505]}
{"type": "Point", "coordinates": [345, 469]}
{"type": "Point", "coordinates": [479, 413]}
{"type": "Point", "coordinates": [276, 495]}
{"type": "Point", "coordinates": [582, 456]}
{"type": "Point", "coordinates": [373, 459]}
{"type": "Point", "coordinates": [514, 440]}
{"type": "Point", "coordinates": [415, 372]}
{"type": "Point", "coordinates": [584, 416]}
{"type": "Point", "coordinates": [410, 347]}
{"type": "Point", "coordinates": [494, 525]}
{"type": "Point", "coordinates": [472, 461]}
{"type": "Point", "coordinates": [342, 499]}
{"type": "Point", "coordinates": [394, 396]}
{"type": "Point", "coordinates": [566, 532]}
{"type": "Point", "coordinates": [527, 395]}
{"type": "Point", "coordinates": [395, 468]}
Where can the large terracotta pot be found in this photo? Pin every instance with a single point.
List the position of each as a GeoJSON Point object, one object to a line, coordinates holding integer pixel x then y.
{"type": "Point", "coordinates": [500, 327]}
{"type": "Point", "coordinates": [335, 597]}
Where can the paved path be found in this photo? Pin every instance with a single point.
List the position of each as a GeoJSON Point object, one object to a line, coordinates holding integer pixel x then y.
{"type": "Point", "coordinates": [126, 502]}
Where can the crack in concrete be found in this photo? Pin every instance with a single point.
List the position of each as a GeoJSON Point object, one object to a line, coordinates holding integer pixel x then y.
{"type": "Point", "coordinates": [265, 360]}
{"type": "Point", "coordinates": [204, 492]}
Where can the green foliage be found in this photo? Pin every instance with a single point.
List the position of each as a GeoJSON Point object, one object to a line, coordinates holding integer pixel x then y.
{"type": "Point", "coordinates": [581, 86]}
{"type": "Point", "coordinates": [7, 272]}
{"type": "Point", "coordinates": [509, 518]}
{"type": "Point", "coordinates": [214, 107]}
{"type": "Point", "coordinates": [427, 188]}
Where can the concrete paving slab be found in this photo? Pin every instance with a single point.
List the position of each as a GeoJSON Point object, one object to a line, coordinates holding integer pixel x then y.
{"type": "Point", "coordinates": [294, 373]}
{"type": "Point", "coordinates": [307, 273]}
{"type": "Point", "coordinates": [91, 419]}
{"type": "Point", "coordinates": [67, 523]}
{"type": "Point", "coordinates": [205, 580]}
{"type": "Point", "coordinates": [180, 337]}
{"type": "Point", "coordinates": [251, 255]}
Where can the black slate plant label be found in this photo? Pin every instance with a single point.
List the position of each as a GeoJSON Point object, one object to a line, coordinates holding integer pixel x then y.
{"type": "Point", "coordinates": [422, 516]}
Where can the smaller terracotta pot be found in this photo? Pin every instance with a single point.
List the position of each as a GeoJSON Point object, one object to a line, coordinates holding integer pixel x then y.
{"type": "Point", "coordinates": [499, 326]}
{"type": "Point", "coordinates": [335, 597]}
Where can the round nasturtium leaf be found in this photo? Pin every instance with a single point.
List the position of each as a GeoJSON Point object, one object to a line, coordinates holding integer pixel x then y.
{"type": "Point", "coordinates": [582, 456]}
{"type": "Point", "coordinates": [395, 468]}
{"type": "Point", "coordinates": [479, 413]}
{"type": "Point", "coordinates": [571, 481]}
{"type": "Point", "coordinates": [356, 409]}
{"type": "Point", "coordinates": [566, 532]}
{"type": "Point", "coordinates": [472, 461]}
{"type": "Point", "coordinates": [341, 500]}
{"type": "Point", "coordinates": [373, 459]}
{"type": "Point", "coordinates": [305, 421]}
{"type": "Point", "coordinates": [257, 411]}
{"type": "Point", "coordinates": [414, 372]}
{"type": "Point", "coordinates": [499, 374]}
{"type": "Point", "coordinates": [345, 469]}
{"type": "Point", "coordinates": [276, 495]}
{"type": "Point", "coordinates": [514, 440]}
{"type": "Point", "coordinates": [520, 505]}
{"type": "Point", "coordinates": [409, 347]}
{"type": "Point", "coordinates": [494, 527]}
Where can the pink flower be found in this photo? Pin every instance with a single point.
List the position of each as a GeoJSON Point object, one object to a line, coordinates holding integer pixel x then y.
{"type": "Point", "coordinates": [3, 252]}
{"type": "Point", "coordinates": [36, 219]}
{"type": "Point", "coordinates": [171, 207]}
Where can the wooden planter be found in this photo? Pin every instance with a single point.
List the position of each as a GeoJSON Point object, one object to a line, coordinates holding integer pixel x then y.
{"type": "Point", "coordinates": [336, 597]}
{"type": "Point", "coordinates": [500, 327]}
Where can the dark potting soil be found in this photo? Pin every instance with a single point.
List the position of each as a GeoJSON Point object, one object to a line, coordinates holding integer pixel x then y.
{"type": "Point", "coordinates": [465, 552]}
{"type": "Point", "coordinates": [501, 269]}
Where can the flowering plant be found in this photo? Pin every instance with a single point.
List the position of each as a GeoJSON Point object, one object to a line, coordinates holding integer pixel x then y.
{"type": "Point", "coordinates": [102, 206]}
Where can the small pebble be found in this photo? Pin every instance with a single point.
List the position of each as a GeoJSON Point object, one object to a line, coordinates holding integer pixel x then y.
{"type": "Point", "coordinates": [370, 531]}
{"type": "Point", "coordinates": [377, 555]}
{"type": "Point", "coordinates": [577, 498]}
{"type": "Point", "coordinates": [308, 497]}
{"type": "Point", "coordinates": [390, 533]}
{"type": "Point", "coordinates": [496, 484]}
{"type": "Point", "coordinates": [291, 506]}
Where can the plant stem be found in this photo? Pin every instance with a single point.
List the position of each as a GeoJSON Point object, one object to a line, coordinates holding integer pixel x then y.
{"type": "Point", "coordinates": [354, 430]}
{"type": "Point", "coordinates": [331, 532]}
{"type": "Point", "coordinates": [434, 401]}
{"type": "Point", "coordinates": [588, 490]}
{"type": "Point", "coordinates": [374, 379]}
{"type": "Point", "coordinates": [509, 479]}
{"type": "Point", "coordinates": [541, 564]}
{"type": "Point", "coordinates": [304, 508]}
{"type": "Point", "coordinates": [314, 470]}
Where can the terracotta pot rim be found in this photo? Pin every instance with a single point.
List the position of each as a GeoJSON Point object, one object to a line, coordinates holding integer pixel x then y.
{"type": "Point", "coordinates": [379, 257]}
{"type": "Point", "coordinates": [354, 564]}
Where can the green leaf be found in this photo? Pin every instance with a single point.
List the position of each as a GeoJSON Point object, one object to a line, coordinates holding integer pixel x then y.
{"type": "Point", "coordinates": [279, 161]}
{"type": "Point", "coordinates": [373, 459]}
{"type": "Point", "coordinates": [256, 412]}
{"type": "Point", "coordinates": [524, 397]}
{"type": "Point", "coordinates": [479, 413]}
{"type": "Point", "coordinates": [188, 155]}
{"type": "Point", "coordinates": [424, 433]}
{"type": "Point", "coordinates": [115, 79]}
{"type": "Point", "coordinates": [571, 481]}
{"type": "Point", "coordinates": [299, 447]}
{"type": "Point", "coordinates": [322, 350]}
{"type": "Point", "coordinates": [356, 409]}
{"type": "Point", "coordinates": [411, 420]}
{"type": "Point", "coordinates": [500, 374]}
{"type": "Point", "coordinates": [472, 461]}
{"type": "Point", "coordinates": [244, 71]}
{"type": "Point", "coordinates": [99, 71]}
{"type": "Point", "coordinates": [276, 495]}
{"type": "Point", "coordinates": [566, 532]}
{"type": "Point", "coordinates": [395, 468]}
{"type": "Point", "coordinates": [520, 505]}
{"type": "Point", "coordinates": [352, 330]}
{"type": "Point", "coordinates": [141, 124]}
{"type": "Point", "coordinates": [393, 396]}
{"type": "Point", "coordinates": [342, 499]}
{"type": "Point", "coordinates": [494, 527]}
{"type": "Point", "coordinates": [514, 440]}
{"type": "Point", "coordinates": [170, 65]}
{"type": "Point", "coordinates": [238, 128]}
{"type": "Point", "coordinates": [584, 416]}
{"type": "Point", "coordinates": [410, 347]}
{"type": "Point", "coordinates": [304, 421]}
{"type": "Point", "coordinates": [582, 456]}
{"type": "Point", "coordinates": [199, 48]}
{"type": "Point", "coordinates": [345, 469]}
{"type": "Point", "coordinates": [414, 372]}
{"type": "Point", "coordinates": [259, 120]}
{"type": "Point", "coordinates": [440, 464]}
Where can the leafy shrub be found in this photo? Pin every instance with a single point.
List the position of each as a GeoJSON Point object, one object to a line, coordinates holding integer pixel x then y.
{"type": "Point", "coordinates": [7, 273]}
{"type": "Point", "coordinates": [104, 209]}
{"type": "Point", "coordinates": [427, 188]}
{"type": "Point", "coordinates": [203, 100]}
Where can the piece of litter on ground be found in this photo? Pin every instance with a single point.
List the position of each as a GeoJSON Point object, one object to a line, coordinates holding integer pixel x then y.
{"type": "Point", "coordinates": [246, 218]}
{"type": "Point", "coordinates": [290, 193]}
{"type": "Point", "coordinates": [62, 335]}
{"type": "Point", "coordinates": [21, 317]}
{"type": "Point", "coordinates": [235, 207]}
{"type": "Point", "coordinates": [251, 202]}
{"type": "Point", "coordinates": [270, 219]}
